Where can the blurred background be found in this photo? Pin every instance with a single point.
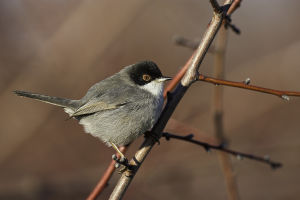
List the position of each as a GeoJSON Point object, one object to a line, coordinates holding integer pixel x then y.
{"type": "Point", "coordinates": [61, 48]}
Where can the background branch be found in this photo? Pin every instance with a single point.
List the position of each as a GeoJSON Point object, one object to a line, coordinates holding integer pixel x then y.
{"type": "Point", "coordinates": [103, 182]}
{"type": "Point", "coordinates": [218, 114]}
{"type": "Point", "coordinates": [280, 93]}
{"type": "Point", "coordinates": [186, 42]}
{"type": "Point", "coordinates": [208, 147]}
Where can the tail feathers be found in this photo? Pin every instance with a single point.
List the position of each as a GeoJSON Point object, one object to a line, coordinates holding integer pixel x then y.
{"type": "Point", "coordinates": [66, 103]}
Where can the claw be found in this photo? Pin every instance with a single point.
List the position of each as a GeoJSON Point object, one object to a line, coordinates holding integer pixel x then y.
{"type": "Point", "coordinates": [114, 157]}
{"type": "Point", "coordinates": [121, 161]}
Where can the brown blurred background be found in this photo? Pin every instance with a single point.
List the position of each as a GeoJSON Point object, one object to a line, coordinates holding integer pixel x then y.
{"type": "Point", "coordinates": [61, 48]}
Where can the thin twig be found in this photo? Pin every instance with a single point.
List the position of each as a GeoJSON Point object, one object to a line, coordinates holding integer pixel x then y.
{"type": "Point", "coordinates": [185, 42]}
{"type": "Point", "coordinates": [103, 182]}
{"type": "Point", "coordinates": [239, 155]}
{"type": "Point", "coordinates": [280, 93]}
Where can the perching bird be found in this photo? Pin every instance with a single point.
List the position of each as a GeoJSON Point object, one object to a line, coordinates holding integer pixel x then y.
{"type": "Point", "coordinates": [119, 108]}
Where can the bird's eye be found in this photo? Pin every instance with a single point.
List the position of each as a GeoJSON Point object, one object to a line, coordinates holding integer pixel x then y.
{"type": "Point", "coordinates": [146, 77]}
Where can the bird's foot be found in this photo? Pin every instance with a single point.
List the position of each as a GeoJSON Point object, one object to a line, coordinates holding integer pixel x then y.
{"type": "Point", "coordinates": [153, 136]}
{"type": "Point", "coordinates": [121, 163]}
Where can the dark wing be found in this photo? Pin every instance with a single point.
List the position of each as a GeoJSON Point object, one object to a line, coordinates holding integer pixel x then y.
{"type": "Point", "coordinates": [94, 106]}
{"type": "Point", "coordinates": [111, 93]}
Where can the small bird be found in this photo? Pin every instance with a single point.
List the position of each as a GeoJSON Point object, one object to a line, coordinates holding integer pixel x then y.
{"type": "Point", "coordinates": [119, 108]}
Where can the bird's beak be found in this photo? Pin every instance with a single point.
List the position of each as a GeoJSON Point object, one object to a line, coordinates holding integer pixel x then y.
{"type": "Point", "coordinates": [164, 78]}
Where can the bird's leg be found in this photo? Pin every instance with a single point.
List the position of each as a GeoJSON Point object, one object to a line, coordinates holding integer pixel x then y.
{"type": "Point", "coordinates": [122, 160]}
{"type": "Point", "coordinates": [117, 149]}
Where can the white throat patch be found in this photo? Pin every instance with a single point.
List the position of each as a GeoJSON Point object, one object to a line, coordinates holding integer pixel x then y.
{"type": "Point", "coordinates": [154, 87]}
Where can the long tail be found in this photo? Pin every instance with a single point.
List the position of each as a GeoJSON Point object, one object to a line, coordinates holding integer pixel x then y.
{"type": "Point", "coordinates": [62, 102]}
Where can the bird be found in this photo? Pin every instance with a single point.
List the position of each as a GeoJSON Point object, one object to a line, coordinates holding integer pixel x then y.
{"type": "Point", "coordinates": [119, 108]}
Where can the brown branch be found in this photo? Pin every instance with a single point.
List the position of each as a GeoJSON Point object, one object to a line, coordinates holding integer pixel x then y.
{"type": "Point", "coordinates": [282, 94]}
{"type": "Point", "coordinates": [239, 155]}
{"type": "Point", "coordinates": [173, 100]}
{"type": "Point", "coordinates": [103, 182]}
{"type": "Point", "coordinates": [225, 160]}
{"type": "Point", "coordinates": [189, 43]}
{"type": "Point", "coordinates": [185, 42]}
{"type": "Point", "coordinates": [235, 4]}
{"type": "Point", "coordinates": [177, 78]}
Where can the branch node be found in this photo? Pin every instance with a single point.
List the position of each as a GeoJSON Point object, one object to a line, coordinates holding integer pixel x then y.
{"type": "Point", "coordinates": [247, 81]}
{"type": "Point", "coordinates": [276, 165]}
{"type": "Point", "coordinates": [207, 149]}
{"type": "Point", "coordinates": [166, 135]}
{"type": "Point", "coordinates": [285, 97]}
{"type": "Point", "coordinates": [153, 136]}
{"type": "Point", "coordinates": [224, 144]}
{"type": "Point", "coordinates": [190, 136]}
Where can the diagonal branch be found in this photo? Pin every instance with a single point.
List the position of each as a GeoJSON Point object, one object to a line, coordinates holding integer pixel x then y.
{"type": "Point", "coordinates": [282, 94]}
{"type": "Point", "coordinates": [208, 147]}
{"type": "Point", "coordinates": [216, 22]}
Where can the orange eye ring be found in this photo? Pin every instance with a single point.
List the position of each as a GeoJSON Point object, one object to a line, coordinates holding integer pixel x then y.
{"type": "Point", "coordinates": [146, 77]}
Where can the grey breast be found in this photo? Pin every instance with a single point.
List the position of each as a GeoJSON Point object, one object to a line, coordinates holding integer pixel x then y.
{"type": "Point", "coordinates": [133, 115]}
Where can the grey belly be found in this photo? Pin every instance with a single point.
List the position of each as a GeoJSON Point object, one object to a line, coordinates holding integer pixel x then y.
{"type": "Point", "coordinates": [123, 125]}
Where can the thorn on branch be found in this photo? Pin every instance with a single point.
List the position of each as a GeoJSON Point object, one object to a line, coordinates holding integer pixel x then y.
{"type": "Point", "coordinates": [189, 137]}
{"type": "Point", "coordinates": [228, 24]}
{"type": "Point", "coordinates": [207, 149]}
{"type": "Point", "coordinates": [221, 147]}
{"type": "Point", "coordinates": [276, 165]}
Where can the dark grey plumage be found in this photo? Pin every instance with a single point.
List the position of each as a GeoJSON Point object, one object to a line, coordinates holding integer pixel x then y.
{"type": "Point", "coordinates": [119, 108]}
